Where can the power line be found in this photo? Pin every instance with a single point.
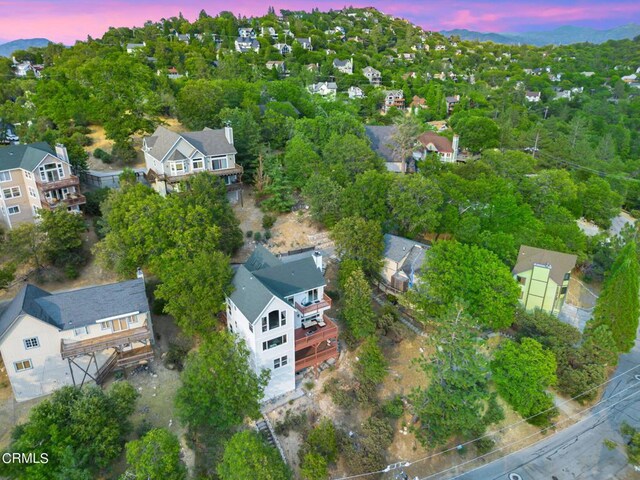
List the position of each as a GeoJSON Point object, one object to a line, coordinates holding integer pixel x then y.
{"type": "Point", "coordinates": [533, 434]}
{"type": "Point", "coordinates": [506, 427]}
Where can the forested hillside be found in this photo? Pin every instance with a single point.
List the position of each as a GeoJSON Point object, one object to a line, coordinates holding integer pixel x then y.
{"type": "Point", "coordinates": [586, 165]}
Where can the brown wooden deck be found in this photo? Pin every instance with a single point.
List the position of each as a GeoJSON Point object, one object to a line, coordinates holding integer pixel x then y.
{"type": "Point", "coordinates": [134, 356]}
{"type": "Point", "coordinates": [329, 331]}
{"type": "Point", "coordinates": [70, 181]}
{"type": "Point", "coordinates": [71, 349]}
{"type": "Point", "coordinates": [312, 357]}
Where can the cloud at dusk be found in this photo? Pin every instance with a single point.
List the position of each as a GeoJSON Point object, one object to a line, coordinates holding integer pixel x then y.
{"type": "Point", "coordinates": [69, 20]}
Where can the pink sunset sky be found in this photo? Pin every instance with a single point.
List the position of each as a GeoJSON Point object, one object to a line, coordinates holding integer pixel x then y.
{"type": "Point", "coordinates": [69, 20]}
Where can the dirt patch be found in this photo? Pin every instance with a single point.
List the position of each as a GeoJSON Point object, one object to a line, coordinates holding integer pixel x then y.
{"type": "Point", "coordinates": [291, 231]}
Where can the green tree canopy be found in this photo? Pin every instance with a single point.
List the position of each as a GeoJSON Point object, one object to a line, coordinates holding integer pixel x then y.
{"type": "Point", "coordinates": [357, 311]}
{"type": "Point", "coordinates": [218, 378]}
{"type": "Point", "coordinates": [361, 240]}
{"type": "Point", "coordinates": [522, 372]}
{"type": "Point", "coordinates": [155, 455]}
{"type": "Point", "coordinates": [247, 455]}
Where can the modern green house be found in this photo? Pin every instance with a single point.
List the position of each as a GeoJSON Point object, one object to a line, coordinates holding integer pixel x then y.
{"type": "Point", "coordinates": [543, 276]}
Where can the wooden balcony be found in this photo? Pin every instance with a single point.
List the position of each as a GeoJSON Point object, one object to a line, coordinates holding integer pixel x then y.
{"type": "Point", "coordinates": [312, 357]}
{"type": "Point", "coordinates": [70, 348]}
{"type": "Point", "coordinates": [315, 307]}
{"type": "Point", "coordinates": [70, 181]}
{"type": "Point", "coordinates": [71, 200]}
{"type": "Point", "coordinates": [134, 356]}
{"type": "Point", "coordinates": [309, 337]}
{"type": "Point", "coordinates": [222, 172]}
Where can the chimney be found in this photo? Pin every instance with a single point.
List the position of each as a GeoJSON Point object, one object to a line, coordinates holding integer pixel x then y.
{"type": "Point", "coordinates": [317, 259]}
{"type": "Point", "coordinates": [228, 132]}
{"type": "Point", "coordinates": [139, 273]}
{"type": "Point", "coordinates": [455, 143]}
{"type": "Point", "coordinates": [61, 152]}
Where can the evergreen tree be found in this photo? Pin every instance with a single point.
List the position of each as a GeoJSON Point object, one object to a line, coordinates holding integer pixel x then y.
{"type": "Point", "coordinates": [357, 311]}
{"type": "Point", "coordinates": [618, 306]}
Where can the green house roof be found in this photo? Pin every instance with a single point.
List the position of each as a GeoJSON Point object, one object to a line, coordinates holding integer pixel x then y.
{"type": "Point", "coordinates": [23, 156]}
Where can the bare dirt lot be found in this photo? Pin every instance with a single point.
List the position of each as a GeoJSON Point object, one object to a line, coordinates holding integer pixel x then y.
{"type": "Point", "coordinates": [291, 231]}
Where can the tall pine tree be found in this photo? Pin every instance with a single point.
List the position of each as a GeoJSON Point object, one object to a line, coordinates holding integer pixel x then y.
{"type": "Point", "coordinates": [618, 307]}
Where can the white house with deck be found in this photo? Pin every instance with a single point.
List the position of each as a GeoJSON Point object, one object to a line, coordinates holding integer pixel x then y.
{"type": "Point", "coordinates": [278, 309]}
{"type": "Point", "coordinates": [172, 157]}
{"type": "Point", "coordinates": [49, 340]}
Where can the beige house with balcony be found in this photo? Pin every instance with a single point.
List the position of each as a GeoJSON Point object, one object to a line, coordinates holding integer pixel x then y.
{"type": "Point", "coordinates": [35, 177]}
{"type": "Point", "coordinates": [48, 340]}
{"type": "Point", "coordinates": [279, 309]}
{"type": "Point", "coordinates": [172, 157]}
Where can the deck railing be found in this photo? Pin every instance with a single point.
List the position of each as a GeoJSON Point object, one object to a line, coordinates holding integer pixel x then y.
{"type": "Point", "coordinates": [103, 342]}
{"type": "Point", "coordinates": [330, 330]}
{"type": "Point", "coordinates": [314, 307]}
{"type": "Point", "coordinates": [317, 358]}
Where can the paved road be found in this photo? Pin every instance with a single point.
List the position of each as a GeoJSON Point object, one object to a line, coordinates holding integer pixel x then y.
{"type": "Point", "coordinates": [577, 452]}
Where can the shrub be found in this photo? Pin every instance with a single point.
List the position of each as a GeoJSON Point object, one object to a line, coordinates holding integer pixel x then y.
{"type": "Point", "coordinates": [249, 233]}
{"type": "Point", "coordinates": [71, 271]}
{"type": "Point", "coordinates": [94, 200]}
{"type": "Point", "coordinates": [124, 152]}
{"type": "Point", "coordinates": [342, 397]}
{"type": "Point", "coordinates": [257, 236]}
{"type": "Point", "coordinates": [291, 421]}
{"type": "Point", "coordinates": [268, 221]}
{"type": "Point", "coordinates": [393, 408]}
{"type": "Point", "coordinates": [267, 234]}
{"type": "Point", "coordinates": [177, 353]}
{"type": "Point", "coordinates": [100, 154]}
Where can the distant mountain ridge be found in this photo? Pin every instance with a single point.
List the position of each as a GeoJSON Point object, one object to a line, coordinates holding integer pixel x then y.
{"type": "Point", "coordinates": [564, 35]}
{"type": "Point", "coordinates": [6, 49]}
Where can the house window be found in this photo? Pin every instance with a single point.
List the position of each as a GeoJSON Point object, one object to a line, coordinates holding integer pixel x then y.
{"type": "Point", "coordinates": [521, 280]}
{"type": "Point", "coordinates": [51, 172]}
{"type": "Point", "coordinates": [32, 192]}
{"type": "Point", "coordinates": [274, 342]}
{"type": "Point", "coordinates": [198, 164]}
{"type": "Point", "coordinates": [177, 168]}
{"type": "Point", "coordinates": [105, 325]}
{"type": "Point", "coordinates": [219, 163]}
{"type": "Point", "coordinates": [31, 343]}
{"type": "Point", "coordinates": [13, 192]}
{"type": "Point", "coordinates": [273, 321]}
{"type": "Point", "coordinates": [5, 177]}
{"type": "Point", "coordinates": [251, 327]}
{"type": "Point", "coordinates": [28, 175]}
{"type": "Point", "coordinates": [80, 331]}
{"type": "Point", "coordinates": [280, 362]}
{"type": "Point", "coordinates": [23, 365]}
{"type": "Point", "coordinates": [563, 290]}
{"type": "Point", "coordinates": [567, 275]}
{"type": "Point", "coordinates": [132, 319]}
{"type": "Point", "coordinates": [13, 210]}
{"type": "Point", "coordinates": [283, 318]}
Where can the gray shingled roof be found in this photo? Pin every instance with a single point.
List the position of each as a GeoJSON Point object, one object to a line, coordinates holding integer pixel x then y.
{"type": "Point", "coordinates": [23, 156]}
{"type": "Point", "coordinates": [77, 308]}
{"type": "Point", "coordinates": [290, 278]}
{"type": "Point", "coordinates": [249, 294]}
{"type": "Point", "coordinates": [208, 141]}
{"type": "Point", "coordinates": [396, 248]}
{"type": "Point", "coordinates": [264, 276]}
{"type": "Point", "coordinates": [560, 263]}
{"type": "Point", "coordinates": [340, 63]}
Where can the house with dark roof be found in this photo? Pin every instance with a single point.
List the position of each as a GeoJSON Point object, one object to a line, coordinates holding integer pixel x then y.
{"type": "Point", "coordinates": [305, 43]}
{"type": "Point", "coordinates": [403, 260]}
{"type": "Point", "coordinates": [343, 66]}
{"type": "Point", "coordinates": [36, 177]}
{"type": "Point", "coordinates": [172, 157]}
{"type": "Point", "coordinates": [383, 143]}
{"type": "Point", "coordinates": [48, 340]}
{"type": "Point", "coordinates": [543, 276]}
{"type": "Point", "coordinates": [279, 309]}
{"type": "Point", "coordinates": [247, 44]}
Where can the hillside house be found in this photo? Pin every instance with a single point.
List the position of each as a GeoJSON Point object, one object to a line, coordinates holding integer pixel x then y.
{"type": "Point", "coordinates": [355, 92]}
{"type": "Point", "coordinates": [343, 66]}
{"type": "Point", "coordinates": [417, 104]}
{"type": "Point", "coordinates": [49, 340]}
{"type": "Point", "coordinates": [172, 157]}
{"type": "Point", "coordinates": [244, 45]}
{"type": "Point", "coordinates": [269, 32]}
{"type": "Point", "coordinates": [324, 89]}
{"type": "Point", "coordinates": [383, 143]}
{"type": "Point", "coordinates": [374, 76]}
{"type": "Point", "coordinates": [276, 64]}
{"type": "Point", "coordinates": [246, 32]}
{"type": "Point", "coordinates": [134, 47]}
{"type": "Point", "coordinates": [393, 98]}
{"type": "Point", "coordinates": [532, 96]}
{"type": "Point", "coordinates": [543, 276]}
{"type": "Point", "coordinates": [403, 260]}
{"type": "Point", "coordinates": [452, 101]}
{"type": "Point", "coordinates": [305, 43]}
{"type": "Point", "coordinates": [282, 48]}
{"type": "Point", "coordinates": [431, 142]}
{"type": "Point", "coordinates": [279, 310]}
{"type": "Point", "coordinates": [35, 177]}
